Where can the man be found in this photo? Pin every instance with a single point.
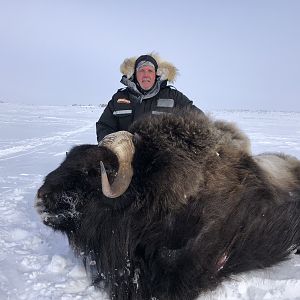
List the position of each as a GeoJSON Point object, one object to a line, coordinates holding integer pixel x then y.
{"type": "Point", "coordinates": [146, 91]}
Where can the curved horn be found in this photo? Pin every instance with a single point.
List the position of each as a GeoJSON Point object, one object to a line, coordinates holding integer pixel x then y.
{"type": "Point", "coordinates": [120, 143]}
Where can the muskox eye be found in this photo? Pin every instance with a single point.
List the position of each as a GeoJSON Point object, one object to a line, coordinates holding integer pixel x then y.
{"type": "Point", "coordinates": [85, 171]}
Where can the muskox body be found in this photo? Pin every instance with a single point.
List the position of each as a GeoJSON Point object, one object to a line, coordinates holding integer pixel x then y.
{"type": "Point", "coordinates": [198, 209]}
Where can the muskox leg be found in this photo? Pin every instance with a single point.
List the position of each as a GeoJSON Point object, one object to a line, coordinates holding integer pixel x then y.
{"type": "Point", "coordinates": [109, 255]}
{"type": "Point", "coordinates": [90, 264]}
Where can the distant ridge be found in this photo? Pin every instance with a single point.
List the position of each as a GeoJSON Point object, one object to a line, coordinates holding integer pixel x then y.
{"type": "Point", "coordinates": [85, 105]}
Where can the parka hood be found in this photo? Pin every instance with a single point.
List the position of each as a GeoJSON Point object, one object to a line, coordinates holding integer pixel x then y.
{"type": "Point", "coordinates": [166, 70]}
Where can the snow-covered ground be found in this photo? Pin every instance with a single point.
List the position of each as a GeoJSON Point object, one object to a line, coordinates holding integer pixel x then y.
{"type": "Point", "coordinates": [36, 263]}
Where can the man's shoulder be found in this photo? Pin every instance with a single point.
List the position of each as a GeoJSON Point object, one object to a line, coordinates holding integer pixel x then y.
{"type": "Point", "coordinates": [171, 90]}
{"type": "Point", "coordinates": [172, 87]}
{"type": "Point", "coordinates": [120, 93]}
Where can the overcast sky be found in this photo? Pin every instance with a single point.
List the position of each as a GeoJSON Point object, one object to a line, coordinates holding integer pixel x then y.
{"type": "Point", "coordinates": [242, 54]}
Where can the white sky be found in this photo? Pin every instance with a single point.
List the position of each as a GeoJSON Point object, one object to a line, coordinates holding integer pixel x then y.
{"type": "Point", "coordinates": [231, 54]}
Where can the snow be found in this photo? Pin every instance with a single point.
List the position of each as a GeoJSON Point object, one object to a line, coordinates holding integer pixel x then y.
{"type": "Point", "coordinates": [37, 263]}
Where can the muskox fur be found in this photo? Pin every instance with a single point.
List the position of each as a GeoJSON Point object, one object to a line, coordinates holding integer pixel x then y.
{"type": "Point", "coordinates": [199, 208]}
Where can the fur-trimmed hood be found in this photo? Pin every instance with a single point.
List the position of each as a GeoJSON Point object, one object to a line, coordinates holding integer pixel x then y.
{"type": "Point", "coordinates": [166, 70]}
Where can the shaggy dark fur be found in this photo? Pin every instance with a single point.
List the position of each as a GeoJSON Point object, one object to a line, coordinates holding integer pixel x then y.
{"type": "Point", "coordinates": [199, 208]}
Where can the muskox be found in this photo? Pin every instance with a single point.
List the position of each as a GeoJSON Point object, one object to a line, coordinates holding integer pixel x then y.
{"type": "Point", "coordinates": [172, 208]}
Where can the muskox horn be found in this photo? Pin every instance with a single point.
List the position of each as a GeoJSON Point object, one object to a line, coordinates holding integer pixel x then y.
{"type": "Point", "coordinates": [120, 143]}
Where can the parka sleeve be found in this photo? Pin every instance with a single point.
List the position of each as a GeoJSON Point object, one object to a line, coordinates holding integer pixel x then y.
{"type": "Point", "coordinates": [107, 122]}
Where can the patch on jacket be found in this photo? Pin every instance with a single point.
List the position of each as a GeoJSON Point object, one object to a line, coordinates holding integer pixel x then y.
{"type": "Point", "coordinates": [123, 100]}
{"type": "Point", "coordinates": [165, 103]}
{"type": "Point", "coordinates": [122, 112]}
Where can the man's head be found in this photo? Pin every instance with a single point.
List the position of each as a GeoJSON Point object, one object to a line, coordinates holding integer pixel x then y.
{"type": "Point", "coordinates": [145, 71]}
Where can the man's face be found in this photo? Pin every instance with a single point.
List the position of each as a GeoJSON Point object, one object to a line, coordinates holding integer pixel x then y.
{"type": "Point", "coordinates": [146, 77]}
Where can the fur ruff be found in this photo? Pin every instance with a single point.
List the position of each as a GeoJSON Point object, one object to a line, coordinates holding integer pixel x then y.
{"type": "Point", "coordinates": [166, 70]}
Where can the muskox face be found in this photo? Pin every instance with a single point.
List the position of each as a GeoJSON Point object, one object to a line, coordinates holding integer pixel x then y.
{"type": "Point", "coordinates": [67, 189]}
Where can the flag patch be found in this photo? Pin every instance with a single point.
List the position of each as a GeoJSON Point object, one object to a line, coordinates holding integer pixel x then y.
{"type": "Point", "coordinates": [123, 100]}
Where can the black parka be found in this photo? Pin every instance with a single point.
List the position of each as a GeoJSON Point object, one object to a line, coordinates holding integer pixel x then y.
{"type": "Point", "coordinates": [125, 107]}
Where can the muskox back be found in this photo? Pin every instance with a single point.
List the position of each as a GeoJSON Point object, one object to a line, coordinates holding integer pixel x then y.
{"type": "Point", "coordinates": [199, 208]}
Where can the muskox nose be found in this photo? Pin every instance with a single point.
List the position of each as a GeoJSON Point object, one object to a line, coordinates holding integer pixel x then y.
{"type": "Point", "coordinates": [42, 192]}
